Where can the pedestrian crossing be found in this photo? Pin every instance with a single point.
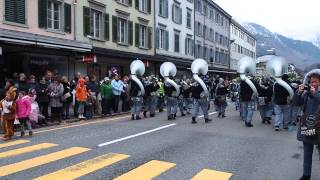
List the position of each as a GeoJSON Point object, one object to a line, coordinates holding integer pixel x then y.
{"type": "Point", "coordinates": [146, 171]}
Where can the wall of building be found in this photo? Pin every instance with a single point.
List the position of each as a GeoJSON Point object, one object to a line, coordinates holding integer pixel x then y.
{"type": "Point", "coordinates": [171, 26]}
{"type": "Point", "coordinates": [32, 23]}
{"type": "Point", "coordinates": [208, 19]}
{"type": "Point", "coordinates": [113, 7]}
{"type": "Point", "coordinates": [238, 42]}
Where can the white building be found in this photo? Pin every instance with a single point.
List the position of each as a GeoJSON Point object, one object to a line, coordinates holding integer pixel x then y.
{"type": "Point", "coordinates": [243, 43]}
{"type": "Point", "coordinates": [174, 25]}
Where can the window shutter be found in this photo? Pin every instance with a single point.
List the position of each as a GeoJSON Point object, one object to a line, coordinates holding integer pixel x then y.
{"type": "Point", "coordinates": [67, 18]}
{"type": "Point", "coordinates": [166, 9]}
{"type": "Point", "coordinates": [15, 11]}
{"type": "Point", "coordinates": [157, 38]}
{"type": "Point", "coordinates": [130, 35]}
{"type": "Point", "coordinates": [86, 21]}
{"type": "Point", "coordinates": [106, 27]}
{"type": "Point", "coordinates": [114, 29]}
{"type": "Point", "coordinates": [150, 37]}
{"type": "Point", "coordinates": [167, 40]}
{"type": "Point", "coordinates": [149, 6]}
{"type": "Point", "coordinates": [180, 16]}
{"type": "Point", "coordinates": [192, 47]}
{"type": "Point", "coordinates": [137, 34]}
{"type": "Point", "coordinates": [130, 3]}
{"type": "Point", "coordinates": [137, 4]}
{"type": "Point", "coordinates": [42, 13]}
{"type": "Point", "coordinates": [186, 46]}
{"type": "Point", "coordinates": [173, 13]}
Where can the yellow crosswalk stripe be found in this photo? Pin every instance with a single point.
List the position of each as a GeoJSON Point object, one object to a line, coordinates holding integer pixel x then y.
{"type": "Point", "coordinates": [41, 160]}
{"type": "Point", "coordinates": [147, 171]}
{"type": "Point", "coordinates": [84, 168]}
{"type": "Point", "coordinates": [207, 174]}
{"type": "Point", "coordinates": [26, 150]}
{"type": "Point", "coordinates": [12, 143]}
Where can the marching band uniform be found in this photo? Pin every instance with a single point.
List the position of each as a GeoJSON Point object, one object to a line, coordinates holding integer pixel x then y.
{"type": "Point", "coordinates": [221, 98]}
{"type": "Point", "coordinates": [265, 106]}
{"type": "Point", "coordinates": [247, 102]}
{"type": "Point", "coordinates": [137, 100]}
{"type": "Point", "coordinates": [170, 92]}
{"type": "Point", "coordinates": [151, 97]}
{"type": "Point", "coordinates": [199, 100]}
{"type": "Point", "coordinates": [181, 102]}
{"type": "Point", "coordinates": [160, 94]}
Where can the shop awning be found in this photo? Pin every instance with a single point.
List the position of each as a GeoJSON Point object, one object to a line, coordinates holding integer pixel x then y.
{"type": "Point", "coordinates": [17, 37]}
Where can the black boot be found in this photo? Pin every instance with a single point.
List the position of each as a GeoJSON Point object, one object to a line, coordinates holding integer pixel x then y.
{"type": "Point", "coordinates": [219, 114]}
{"type": "Point", "coordinates": [151, 115]}
{"type": "Point", "coordinates": [182, 114]}
{"type": "Point", "coordinates": [132, 117]}
{"type": "Point", "coordinates": [144, 114]}
{"type": "Point", "coordinates": [194, 120]}
{"type": "Point", "coordinates": [305, 177]}
{"type": "Point", "coordinates": [160, 110]}
{"type": "Point", "coordinates": [174, 116]}
{"type": "Point", "coordinates": [207, 120]}
{"type": "Point", "coordinates": [223, 115]}
{"type": "Point", "coordinates": [169, 118]}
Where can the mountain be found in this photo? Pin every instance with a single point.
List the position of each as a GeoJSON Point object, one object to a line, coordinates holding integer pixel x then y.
{"type": "Point", "coordinates": [303, 54]}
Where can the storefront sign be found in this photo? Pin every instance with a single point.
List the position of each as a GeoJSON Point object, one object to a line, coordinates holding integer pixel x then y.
{"type": "Point", "coordinates": [39, 62]}
{"type": "Point", "coordinates": [89, 58]}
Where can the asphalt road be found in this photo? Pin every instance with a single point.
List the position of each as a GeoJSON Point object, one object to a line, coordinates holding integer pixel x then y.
{"type": "Point", "coordinates": [161, 149]}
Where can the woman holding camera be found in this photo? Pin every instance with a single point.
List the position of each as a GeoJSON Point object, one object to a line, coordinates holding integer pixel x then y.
{"type": "Point", "coordinates": [310, 99]}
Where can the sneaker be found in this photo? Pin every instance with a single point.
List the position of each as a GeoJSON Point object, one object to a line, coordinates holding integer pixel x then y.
{"type": "Point", "coordinates": [193, 120]}
{"type": "Point", "coordinates": [276, 128]}
{"type": "Point", "coordinates": [30, 133]}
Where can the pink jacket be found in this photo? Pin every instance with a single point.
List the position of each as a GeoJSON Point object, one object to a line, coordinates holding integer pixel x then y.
{"type": "Point", "coordinates": [23, 107]}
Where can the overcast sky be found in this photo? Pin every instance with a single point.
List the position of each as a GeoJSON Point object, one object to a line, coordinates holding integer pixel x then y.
{"type": "Point", "coordinates": [298, 19]}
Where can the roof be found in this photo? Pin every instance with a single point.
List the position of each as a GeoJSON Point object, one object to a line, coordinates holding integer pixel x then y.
{"type": "Point", "coordinates": [233, 21]}
{"type": "Point", "coordinates": [219, 8]}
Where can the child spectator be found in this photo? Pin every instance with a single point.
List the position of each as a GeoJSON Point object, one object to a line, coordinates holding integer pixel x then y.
{"type": "Point", "coordinates": [89, 105]}
{"type": "Point", "coordinates": [81, 97]}
{"type": "Point", "coordinates": [23, 112]}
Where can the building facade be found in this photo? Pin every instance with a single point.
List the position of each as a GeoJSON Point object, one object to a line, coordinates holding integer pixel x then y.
{"type": "Point", "coordinates": [36, 36]}
{"type": "Point", "coordinates": [212, 34]}
{"type": "Point", "coordinates": [243, 44]}
{"type": "Point", "coordinates": [119, 30]}
{"type": "Point", "coordinates": [174, 28]}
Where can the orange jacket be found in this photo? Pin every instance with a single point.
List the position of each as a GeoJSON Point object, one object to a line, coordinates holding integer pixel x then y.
{"type": "Point", "coordinates": [81, 91]}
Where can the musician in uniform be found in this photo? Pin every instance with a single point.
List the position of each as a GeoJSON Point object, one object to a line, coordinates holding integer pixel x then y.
{"type": "Point", "coordinates": [171, 97]}
{"type": "Point", "coordinates": [247, 100]}
{"type": "Point", "coordinates": [151, 96]}
{"type": "Point", "coordinates": [200, 99]}
{"type": "Point", "coordinates": [136, 98]}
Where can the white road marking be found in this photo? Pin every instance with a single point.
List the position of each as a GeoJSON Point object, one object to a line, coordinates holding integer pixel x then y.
{"type": "Point", "coordinates": [135, 135]}
{"type": "Point", "coordinates": [208, 114]}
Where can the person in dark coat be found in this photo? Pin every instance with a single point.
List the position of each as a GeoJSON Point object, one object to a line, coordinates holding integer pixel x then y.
{"type": "Point", "coordinates": [43, 99]}
{"type": "Point", "coordinates": [247, 101]}
{"type": "Point", "coordinates": [311, 101]}
{"type": "Point", "coordinates": [265, 105]}
{"type": "Point", "coordinates": [66, 97]}
{"type": "Point", "coordinates": [134, 92]}
{"type": "Point", "coordinates": [221, 98]}
{"type": "Point", "coordinates": [170, 92]}
{"type": "Point", "coordinates": [281, 105]}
